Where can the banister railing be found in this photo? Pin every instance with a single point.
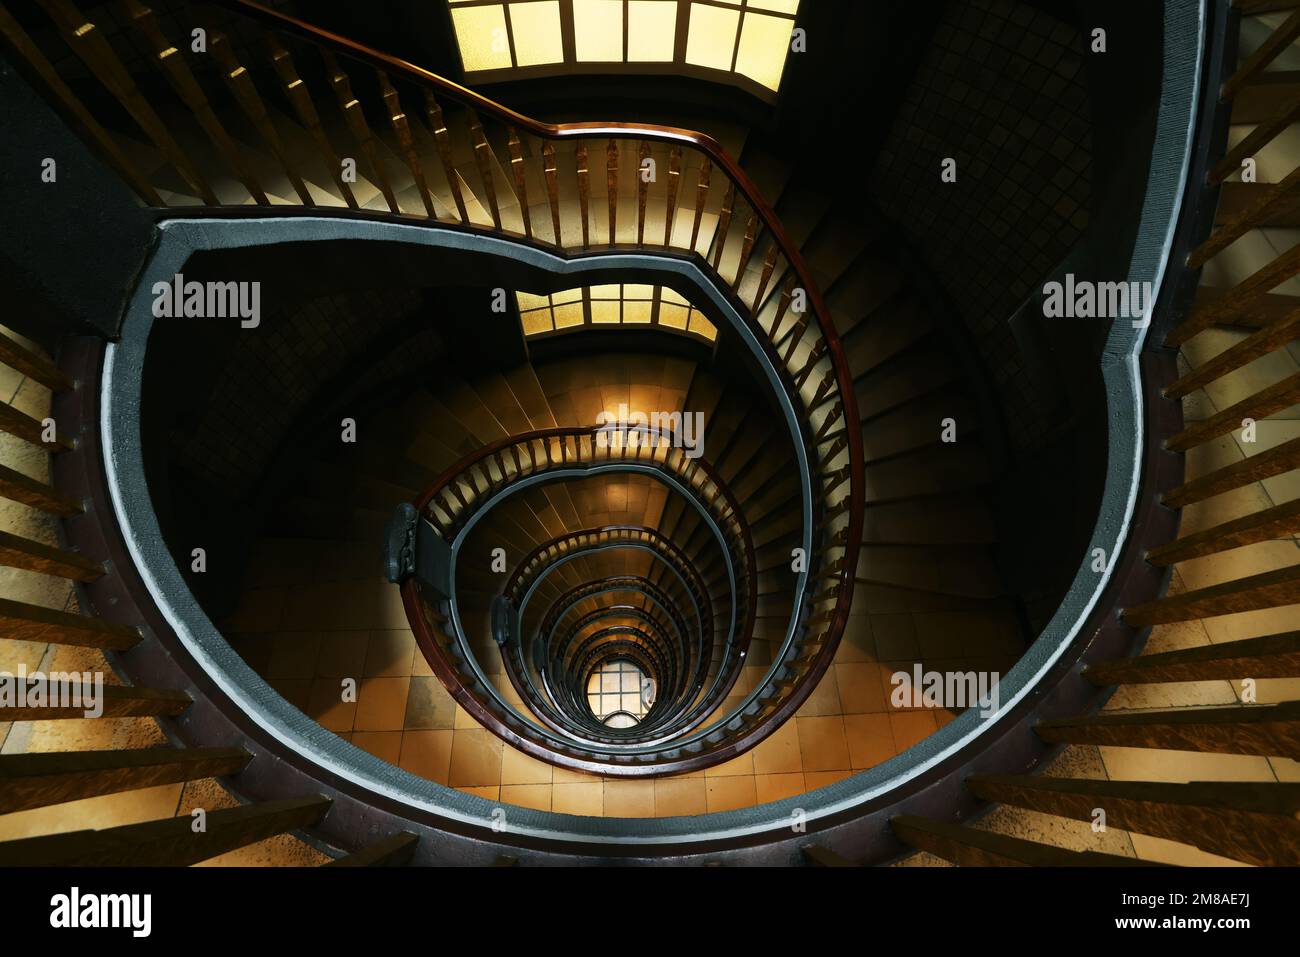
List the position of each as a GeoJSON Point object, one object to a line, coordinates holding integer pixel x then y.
{"type": "Point", "coordinates": [465, 162]}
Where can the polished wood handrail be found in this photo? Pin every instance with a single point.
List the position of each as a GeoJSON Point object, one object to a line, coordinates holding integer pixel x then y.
{"type": "Point", "coordinates": [716, 156]}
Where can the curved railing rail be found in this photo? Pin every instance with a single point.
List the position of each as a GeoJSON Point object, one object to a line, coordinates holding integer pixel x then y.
{"type": "Point", "coordinates": [468, 163]}
{"type": "Point", "coordinates": [480, 478]}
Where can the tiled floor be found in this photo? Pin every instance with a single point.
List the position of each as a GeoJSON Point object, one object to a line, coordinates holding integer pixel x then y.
{"type": "Point", "coordinates": [403, 714]}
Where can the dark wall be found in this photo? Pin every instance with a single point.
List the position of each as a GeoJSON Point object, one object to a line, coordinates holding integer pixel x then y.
{"type": "Point", "coordinates": [70, 249]}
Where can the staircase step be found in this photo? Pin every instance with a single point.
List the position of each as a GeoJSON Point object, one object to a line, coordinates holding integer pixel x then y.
{"type": "Point", "coordinates": [907, 378]}
{"type": "Point", "coordinates": [961, 520]}
{"type": "Point", "coordinates": [938, 470]}
{"type": "Point", "coordinates": [918, 424]}
{"type": "Point", "coordinates": [885, 335]}
{"type": "Point", "coordinates": [962, 570]}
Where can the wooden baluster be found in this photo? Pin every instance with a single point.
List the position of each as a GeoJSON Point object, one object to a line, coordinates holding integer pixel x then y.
{"type": "Point", "coordinates": [1241, 297]}
{"type": "Point", "coordinates": [836, 448]}
{"type": "Point", "coordinates": [769, 266]}
{"type": "Point", "coordinates": [746, 251]}
{"type": "Point", "coordinates": [177, 71]}
{"type": "Point", "coordinates": [355, 118]}
{"type": "Point", "coordinates": [1260, 137]}
{"type": "Point", "coordinates": [701, 199]}
{"type": "Point", "coordinates": [394, 851]}
{"type": "Point", "coordinates": [23, 44]}
{"type": "Point", "coordinates": [1268, 590]}
{"type": "Point", "coordinates": [796, 336]}
{"type": "Point", "coordinates": [831, 418]}
{"type": "Point", "coordinates": [1268, 730]}
{"type": "Point", "coordinates": [814, 358]}
{"type": "Point", "coordinates": [1270, 656]}
{"type": "Point", "coordinates": [724, 224]}
{"type": "Point", "coordinates": [584, 190]}
{"type": "Point", "coordinates": [787, 296]}
{"type": "Point", "coordinates": [1255, 823]}
{"type": "Point", "coordinates": [17, 487]}
{"type": "Point", "coordinates": [521, 180]}
{"type": "Point", "coordinates": [1277, 522]}
{"type": "Point", "coordinates": [611, 187]}
{"type": "Point", "coordinates": [674, 184]}
{"type": "Point", "coordinates": [1274, 199]}
{"type": "Point", "coordinates": [551, 171]}
{"type": "Point", "coordinates": [53, 777]}
{"type": "Point", "coordinates": [824, 389]}
{"type": "Point", "coordinates": [823, 857]}
{"type": "Point", "coordinates": [1256, 468]}
{"type": "Point", "coordinates": [484, 158]}
{"type": "Point", "coordinates": [116, 702]}
{"type": "Point", "coordinates": [20, 621]}
{"type": "Point", "coordinates": [171, 842]}
{"type": "Point", "coordinates": [968, 847]}
{"type": "Point", "coordinates": [642, 193]}
{"type": "Point", "coordinates": [837, 478]}
{"type": "Point", "coordinates": [23, 553]}
{"type": "Point", "coordinates": [442, 138]}
{"type": "Point", "coordinates": [33, 365]}
{"type": "Point", "coordinates": [299, 97]}
{"type": "Point", "coordinates": [240, 83]}
{"type": "Point", "coordinates": [93, 48]}
{"type": "Point", "coordinates": [1281, 395]}
{"type": "Point", "coordinates": [1274, 46]}
{"type": "Point", "coordinates": [1272, 337]}
{"type": "Point", "coordinates": [402, 128]}
{"type": "Point", "coordinates": [30, 430]}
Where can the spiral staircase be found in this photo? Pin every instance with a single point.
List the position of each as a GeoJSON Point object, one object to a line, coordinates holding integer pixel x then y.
{"type": "Point", "coordinates": [415, 663]}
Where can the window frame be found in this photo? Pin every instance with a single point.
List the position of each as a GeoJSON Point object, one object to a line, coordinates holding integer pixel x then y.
{"type": "Point", "coordinates": [586, 298]}
{"type": "Point", "coordinates": [570, 65]}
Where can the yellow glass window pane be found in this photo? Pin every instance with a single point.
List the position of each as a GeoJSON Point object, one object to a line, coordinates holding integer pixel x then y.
{"type": "Point", "coordinates": [567, 295]}
{"type": "Point", "coordinates": [637, 312]}
{"type": "Point", "coordinates": [674, 317]}
{"type": "Point", "coordinates": [536, 322]}
{"type": "Point", "coordinates": [638, 291]}
{"type": "Point", "coordinates": [536, 29]}
{"type": "Point", "coordinates": [481, 33]}
{"type": "Point", "coordinates": [780, 6]}
{"type": "Point", "coordinates": [566, 317]}
{"type": "Point", "coordinates": [605, 313]}
{"type": "Point", "coordinates": [614, 291]}
{"type": "Point", "coordinates": [764, 43]}
{"type": "Point", "coordinates": [528, 301]}
{"type": "Point", "coordinates": [702, 327]}
{"type": "Point", "coordinates": [598, 30]}
{"type": "Point", "coordinates": [651, 30]}
{"type": "Point", "coordinates": [671, 295]}
{"type": "Point", "coordinates": [632, 703]}
{"type": "Point", "coordinates": [712, 36]}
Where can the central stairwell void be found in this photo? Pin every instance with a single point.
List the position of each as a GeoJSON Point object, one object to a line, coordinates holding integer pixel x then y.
{"type": "Point", "coordinates": [567, 491]}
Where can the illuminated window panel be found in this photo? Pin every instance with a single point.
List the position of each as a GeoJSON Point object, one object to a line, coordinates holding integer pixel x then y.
{"type": "Point", "coordinates": [598, 30]}
{"type": "Point", "coordinates": [711, 41]}
{"type": "Point", "coordinates": [619, 694]}
{"type": "Point", "coordinates": [484, 40]}
{"type": "Point", "coordinates": [747, 40]}
{"type": "Point", "coordinates": [614, 304]}
{"type": "Point", "coordinates": [536, 31]}
{"type": "Point", "coordinates": [763, 44]}
{"type": "Point", "coordinates": [651, 31]}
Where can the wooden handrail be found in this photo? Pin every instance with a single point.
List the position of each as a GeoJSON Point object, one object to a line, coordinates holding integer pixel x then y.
{"type": "Point", "coordinates": [716, 156]}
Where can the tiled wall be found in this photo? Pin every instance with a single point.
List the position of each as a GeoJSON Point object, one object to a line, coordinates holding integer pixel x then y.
{"type": "Point", "coordinates": [1002, 92]}
{"type": "Point", "coordinates": [276, 370]}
